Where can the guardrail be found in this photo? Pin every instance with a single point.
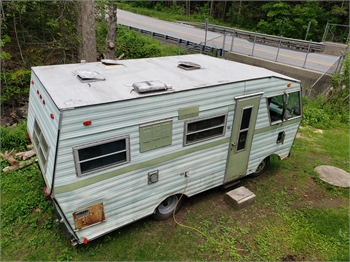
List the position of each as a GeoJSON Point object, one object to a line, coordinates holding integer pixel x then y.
{"type": "Point", "coordinates": [181, 42]}
{"type": "Point", "coordinates": [209, 47]}
{"type": "Point", "coordinates": [284, 42]}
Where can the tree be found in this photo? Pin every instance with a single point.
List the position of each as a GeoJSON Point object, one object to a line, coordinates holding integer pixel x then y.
{"type": "Point", "coordinates": [112, 29]}
{"type": "Point", "coordinates": [86, 30]}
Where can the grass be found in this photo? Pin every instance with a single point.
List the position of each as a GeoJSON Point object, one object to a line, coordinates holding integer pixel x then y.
{"type": "Point", "coordinates": [295, 217]}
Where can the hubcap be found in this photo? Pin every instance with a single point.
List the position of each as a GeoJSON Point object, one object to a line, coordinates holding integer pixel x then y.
{"type": "Point", "coordinates": [168, 205]}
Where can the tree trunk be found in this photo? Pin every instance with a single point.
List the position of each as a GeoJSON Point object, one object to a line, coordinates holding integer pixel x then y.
{"type": "Point", "coordinates": [188, 7]}
{"type": "Point", "coordinates": [212, 8]}
{"type": "Point", "coordinates": [86, 28]}
{"type": "Point", "coordinates": [112, 30]}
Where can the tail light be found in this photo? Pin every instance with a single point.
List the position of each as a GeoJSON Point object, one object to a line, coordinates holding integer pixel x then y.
{"type": "Point", "coordinates": [47, 193]}
{"type": "Point", "coordinates": [28, 138]}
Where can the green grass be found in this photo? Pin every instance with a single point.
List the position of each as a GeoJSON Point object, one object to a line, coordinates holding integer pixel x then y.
{"type": "Point", "coordinates": [295, 217]}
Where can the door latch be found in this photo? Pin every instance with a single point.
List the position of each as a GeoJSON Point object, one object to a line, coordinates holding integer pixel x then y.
{"type": "Point", "coordinates": [232, 145]}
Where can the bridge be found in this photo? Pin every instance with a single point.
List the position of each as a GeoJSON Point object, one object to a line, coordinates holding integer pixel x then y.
{"type": "Point", "coordinates": [311, 62]}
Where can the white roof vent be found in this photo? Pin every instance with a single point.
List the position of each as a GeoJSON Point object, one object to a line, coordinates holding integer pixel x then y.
{"type": "Point", "coordinates": [150, 86]}
{"type": "Point", "coordinates": [86, 76]}
{"type": "Point", "coordinates": [188, 65]}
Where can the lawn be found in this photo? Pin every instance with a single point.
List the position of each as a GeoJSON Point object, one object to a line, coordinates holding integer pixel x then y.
{"type": "Point", "coordinates": [295, 217]}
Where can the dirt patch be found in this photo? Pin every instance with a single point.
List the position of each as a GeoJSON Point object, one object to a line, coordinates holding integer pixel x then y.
{"type": "Point", "coordinates": [11, 115]}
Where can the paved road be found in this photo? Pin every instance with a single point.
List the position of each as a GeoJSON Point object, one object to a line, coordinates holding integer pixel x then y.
{"type": "Point", "coordinates": [314, 61]}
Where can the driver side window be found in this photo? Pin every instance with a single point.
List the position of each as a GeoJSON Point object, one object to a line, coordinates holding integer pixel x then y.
{"type": "Point", "coordinates": [284, 107]}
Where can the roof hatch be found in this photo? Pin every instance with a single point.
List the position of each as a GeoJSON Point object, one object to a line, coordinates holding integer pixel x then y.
{"type": "Point", "coordinates": [150, 86]}
{"type": "Point", "coordinates": [86, 76]}
{"type": "Point", "coordinates": [188, 65]}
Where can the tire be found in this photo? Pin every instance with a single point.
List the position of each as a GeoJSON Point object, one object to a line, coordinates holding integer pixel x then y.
{"type": "Point", "coordinates": [261, 167]}
{"type": "Point", "coordinates": [166, 208]}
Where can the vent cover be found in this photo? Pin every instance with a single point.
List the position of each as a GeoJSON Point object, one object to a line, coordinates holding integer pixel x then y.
{"type": "Point", "coordinates": [86, 76]}
{"type": "Point", "coordinates": [188, 65]}
{"type": "Point", "coordinates": [149, 86]}
{"type": "Point", "coordinates": [153, 177]}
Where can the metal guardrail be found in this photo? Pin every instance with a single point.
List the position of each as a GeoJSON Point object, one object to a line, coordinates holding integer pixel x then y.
{"type": "Point", "coordinates": [285, 42]}
{"type": "Point", "coordinates": [181, 42]}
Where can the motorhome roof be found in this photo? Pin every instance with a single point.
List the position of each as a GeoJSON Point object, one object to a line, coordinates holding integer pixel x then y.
{"type": "Point", "coordinates": [115, 81]}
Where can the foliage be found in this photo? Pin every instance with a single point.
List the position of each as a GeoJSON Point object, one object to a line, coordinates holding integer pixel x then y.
{"type": "Point", "coordinates": [15, 85]}
{"type": "Point", "coordinates": [14, 137]}
{"type": "Point", "coordinates": [330, 110]}
{"type": "Point", "coordinates": [289, 19]}
{"type": "Point", "coordinates": [134, 45]}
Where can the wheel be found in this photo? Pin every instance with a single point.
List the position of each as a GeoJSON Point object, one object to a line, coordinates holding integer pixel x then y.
{"type": "Point", "coordinates": [166, 208]}
{"type": "Point", "coordinates": [261, 167]}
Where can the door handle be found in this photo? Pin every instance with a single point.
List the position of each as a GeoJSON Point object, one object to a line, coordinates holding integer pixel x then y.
{"type": "Point", "coordinates": [232, 145]}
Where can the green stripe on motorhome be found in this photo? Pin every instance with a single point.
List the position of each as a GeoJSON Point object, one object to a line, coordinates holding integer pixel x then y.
{"type": "Point", "coordinates": [130, 168]}
{"type": "Point", "coordinates": [279, 125]}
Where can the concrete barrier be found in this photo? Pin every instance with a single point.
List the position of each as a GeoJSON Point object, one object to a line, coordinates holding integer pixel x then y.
{"type": "Point", "coordinates": [306, 76]}
{"type": "Point", "coordinates": [334, 49]}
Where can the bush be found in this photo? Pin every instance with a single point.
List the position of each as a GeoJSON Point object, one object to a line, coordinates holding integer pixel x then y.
{"type": "Point", "coordinates": [134, 45]}
{"type": "Point", "coordinates": [15, 85]}
{"type": "Point", "coordinates": [14, 137]}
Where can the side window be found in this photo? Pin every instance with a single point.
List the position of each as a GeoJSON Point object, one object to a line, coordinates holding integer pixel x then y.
{"type": "Point", "coordinates": [284, 107]}
{"type": "Point", "coordinates": [41, 146]}
{"type": "Point", "coordinates": [204, 129]}
{"type": "Point", "coordinates": [101, 155]}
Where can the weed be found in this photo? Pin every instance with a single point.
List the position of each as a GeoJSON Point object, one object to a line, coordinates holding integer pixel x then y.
{"type": "Point", "coordinates": [14, 137]}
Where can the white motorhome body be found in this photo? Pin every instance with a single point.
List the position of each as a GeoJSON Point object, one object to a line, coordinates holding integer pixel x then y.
{"type": "Point", "coordinates": [118, 142]}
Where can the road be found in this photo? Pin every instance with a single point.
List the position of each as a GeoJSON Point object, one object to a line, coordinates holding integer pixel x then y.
{"type": "Point", "coordinates": [315, 61]}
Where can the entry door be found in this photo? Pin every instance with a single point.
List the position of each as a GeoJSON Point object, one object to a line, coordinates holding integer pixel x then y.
{"type": "Point", "coordinates": [242, 135]}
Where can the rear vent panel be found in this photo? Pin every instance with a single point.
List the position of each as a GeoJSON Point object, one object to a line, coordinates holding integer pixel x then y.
{"type": "Point", "coordinates": [86, 76]}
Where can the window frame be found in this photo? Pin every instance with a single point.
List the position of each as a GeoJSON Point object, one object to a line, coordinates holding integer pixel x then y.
{"type": "Point", "coordinates": [280, 120]}
{"type": "Point", "coordinates": [186, 132]}
{"type": "Point", "coordinates": [242, 130]}
{"type": "Point", "coordinates": [78, 162]}
{"type": "Point", "coordinates": [39, 139]}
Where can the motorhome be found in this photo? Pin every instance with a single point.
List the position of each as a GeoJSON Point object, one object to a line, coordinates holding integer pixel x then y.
{"type": "Point", "coordinates": [117, 141]}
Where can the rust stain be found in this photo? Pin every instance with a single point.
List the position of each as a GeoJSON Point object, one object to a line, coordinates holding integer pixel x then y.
{"type": "Point", "coordinates": [89, 216]}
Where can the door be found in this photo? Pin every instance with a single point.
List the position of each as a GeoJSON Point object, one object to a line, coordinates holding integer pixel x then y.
{"type": "Point", "coordinates": [244, 120]}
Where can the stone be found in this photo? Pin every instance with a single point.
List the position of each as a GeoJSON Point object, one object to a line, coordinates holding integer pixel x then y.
{"type": "Point", "coordinates": [334, 176]}
{"type": "Point", "coordinates": [240, 197]}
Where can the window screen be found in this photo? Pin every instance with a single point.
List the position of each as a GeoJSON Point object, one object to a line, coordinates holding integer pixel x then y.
{"type": "Point", "coordinates": [204, 129]}
{"type": "Point", "coordinates": [101, 155]}
{"type": "Point", "coordinates": [41, 146]}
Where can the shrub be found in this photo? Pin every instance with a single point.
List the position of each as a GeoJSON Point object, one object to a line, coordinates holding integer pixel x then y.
{"type": "Point", "coordinates": [14, 137]}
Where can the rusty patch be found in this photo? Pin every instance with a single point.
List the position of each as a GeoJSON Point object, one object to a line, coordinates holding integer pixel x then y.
{"type": "Point", "coordinates": [89, 216]}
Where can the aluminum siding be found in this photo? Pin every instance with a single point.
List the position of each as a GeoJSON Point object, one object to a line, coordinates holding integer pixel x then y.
{"type": "Point", "coordinates": [49, 126]}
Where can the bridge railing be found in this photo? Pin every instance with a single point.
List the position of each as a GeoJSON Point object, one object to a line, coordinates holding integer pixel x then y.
{"type": "Point", "coordinates": [218, 45]}
{"type": "Point", "coordinates": [285, 42]}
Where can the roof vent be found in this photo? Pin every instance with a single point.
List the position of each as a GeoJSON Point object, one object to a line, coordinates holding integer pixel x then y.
{"type": "Point", "coordinates": [86, 76]}
{"type": "Point", "coordinates": [188, 65]}
{"type": "Point", "coordinates": [150, 86]}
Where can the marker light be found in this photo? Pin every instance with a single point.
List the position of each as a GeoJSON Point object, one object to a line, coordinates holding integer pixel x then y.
{"type": "Point", "coordinates": [28, 138]}
{"type": "Point", "coordinates": [41, 96]}
{"type": "Point", "coordinates": [289, 84]}
{"type": "Point", "coordinates": [87, 123]}
{"type": "Point", "coordinates": [32, 82]}
{"type": "Point", "coordinates": [52, 116]}
{"type": "Point", "coordinates": [37, 91]}
{"type": "Point", "coordinates": [44, 102]}
{"type": "Point", "coordinates": [85, 240]}
{"type": "Point", "coordinates": [47, 193]}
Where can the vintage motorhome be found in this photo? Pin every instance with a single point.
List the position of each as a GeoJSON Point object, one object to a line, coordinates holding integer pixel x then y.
{"type": "Point", "coordinates": [118, 140]}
